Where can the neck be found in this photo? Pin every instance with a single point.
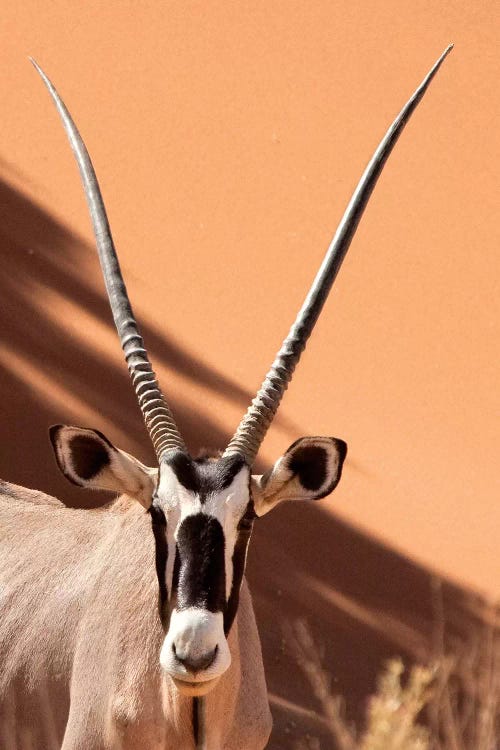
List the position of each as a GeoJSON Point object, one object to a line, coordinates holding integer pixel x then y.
{"type": "Point", "coordinates": [199, 723]}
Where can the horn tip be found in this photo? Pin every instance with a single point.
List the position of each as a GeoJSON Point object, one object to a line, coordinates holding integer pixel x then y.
{"type": "Point", "coordinates": [442, 57]}
{"type": "Point", "coordinates": [430, 75]}
{"type": "Point", "coordinates": [39, 70]}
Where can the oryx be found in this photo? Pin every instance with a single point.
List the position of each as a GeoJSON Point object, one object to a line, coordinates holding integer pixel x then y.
{"type": "Point", "coordinates": [131, 626]}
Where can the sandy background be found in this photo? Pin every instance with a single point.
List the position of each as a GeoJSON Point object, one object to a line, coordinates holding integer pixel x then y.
{"type": "Point", "coordinates": [228, 138]}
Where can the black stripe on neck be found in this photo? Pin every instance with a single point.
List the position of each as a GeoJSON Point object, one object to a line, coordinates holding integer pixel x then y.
{"type": "Point", "coordinates": [199, 726]}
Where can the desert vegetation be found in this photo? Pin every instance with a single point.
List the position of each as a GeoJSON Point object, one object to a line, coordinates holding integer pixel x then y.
{"type": "Point", "coordinates": [450, 703]}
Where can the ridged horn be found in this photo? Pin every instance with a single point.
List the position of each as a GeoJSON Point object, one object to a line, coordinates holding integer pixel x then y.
{"type": "Point", "coordinates": [255, 423]}
{"type": "Point", "coordinates": [159, 421]}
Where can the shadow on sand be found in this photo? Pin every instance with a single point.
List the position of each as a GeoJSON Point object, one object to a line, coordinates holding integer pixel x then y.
{"type": "Point", "coordinates": [38, 256]}
{"type": "Point", "coordinates": [363, 602]}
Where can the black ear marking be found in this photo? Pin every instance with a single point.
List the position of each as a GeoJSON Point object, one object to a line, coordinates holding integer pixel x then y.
{"type": "Point", "coordinates": [88, 456]}
{"type": "Point", "coordinates": [341, 446]}
{"type": "Point", "coordinates": [54, 431]}
{"type": "Point", "coordinates": [59, 456]}
{"type": "Point", "coordinates": [80, 456]}
{"type": "Point", "coordinates": [309, 463]}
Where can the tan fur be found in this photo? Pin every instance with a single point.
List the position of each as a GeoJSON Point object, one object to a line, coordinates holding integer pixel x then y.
{"type": "Point", "coordinates": [80, 638]}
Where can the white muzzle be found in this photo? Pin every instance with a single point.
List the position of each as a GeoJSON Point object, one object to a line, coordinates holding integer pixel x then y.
{"type": "Point", "coordinates": [195, 652]}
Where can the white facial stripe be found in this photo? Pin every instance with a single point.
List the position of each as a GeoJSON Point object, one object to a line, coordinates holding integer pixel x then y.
{"type": "Point", "coordinates": [232, 500]}
{"type": "Point", "coordinates": [230, 538]}
{"type": "Point", "coordinates": [168, 491]}
{"type": "Point", "coordinates": [228, 506]}
{"type": "Point", "coordinates": [172, 524]}
{"type": "Point", "coordinates": [171, 492]}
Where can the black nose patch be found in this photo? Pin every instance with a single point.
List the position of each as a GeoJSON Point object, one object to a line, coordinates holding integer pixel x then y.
{"type": "Point", "coordinates": [199, 571]}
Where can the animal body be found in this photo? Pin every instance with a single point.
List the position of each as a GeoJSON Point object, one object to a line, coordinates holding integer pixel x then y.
{"type": "Point", "coordinates": [131, 627]}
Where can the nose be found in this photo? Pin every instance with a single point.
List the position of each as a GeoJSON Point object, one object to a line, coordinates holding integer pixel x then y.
{"type": "Point", "coordinates": [195, 663]}
{"type": "Point", "coordinates": [195, 649]}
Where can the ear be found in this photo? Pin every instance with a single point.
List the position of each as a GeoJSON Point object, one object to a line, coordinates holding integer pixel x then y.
{"type": "Point", "coordinates": [310, 469]}
{"type": "Point", "coordinates": [88, 459]}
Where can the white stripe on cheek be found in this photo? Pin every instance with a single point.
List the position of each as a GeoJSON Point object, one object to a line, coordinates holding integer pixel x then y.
{"type": "Point", "coordinates": [229, 542]}
{"type": "Point", "coordinates": [177, 502]}
{"type": "Point", "coordinates": [172, 523]}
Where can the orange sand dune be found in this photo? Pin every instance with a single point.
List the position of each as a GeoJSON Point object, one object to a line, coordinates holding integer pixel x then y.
{"type": "Point", "coordinates": [228, 138]}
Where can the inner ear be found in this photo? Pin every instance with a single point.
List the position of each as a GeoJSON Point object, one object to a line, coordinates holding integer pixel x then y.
{"type": "Point", "coordinates": [81, 454]}
{"type": "Point", "coordinates": [309, 463]}
{"type": "Point", "coordinates": [88, 456]}
{"type": "Point", "coordinates": [316, 463]}
{"type": "Point", "coordinates": [309, 470]}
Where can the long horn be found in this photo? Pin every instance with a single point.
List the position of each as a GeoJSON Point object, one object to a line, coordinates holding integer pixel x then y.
{"type": "Point", "coordinates": [157, 415]}
{"type": "Point", "coordinates": [255, 423]}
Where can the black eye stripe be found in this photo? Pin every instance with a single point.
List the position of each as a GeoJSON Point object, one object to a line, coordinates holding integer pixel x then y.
{"type": "Point", "coordinates": [159, 527]}
{"type": "Point", "coordinates": [175, 579]}
{"type": "Point", "coordinates": [244, 532]}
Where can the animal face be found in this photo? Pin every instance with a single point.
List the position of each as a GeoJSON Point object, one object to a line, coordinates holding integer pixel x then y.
{"type": "Point", "coordinates": [202, 514]}
{"type": "Point", "coordinates": [209, 515]}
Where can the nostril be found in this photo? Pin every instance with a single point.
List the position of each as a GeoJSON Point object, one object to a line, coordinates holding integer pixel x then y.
{"type": "Point", "coordinates": [196, 664]}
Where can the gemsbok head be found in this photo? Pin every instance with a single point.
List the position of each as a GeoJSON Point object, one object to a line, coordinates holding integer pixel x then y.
{"type": "Point", "coordinates": [202, 510]}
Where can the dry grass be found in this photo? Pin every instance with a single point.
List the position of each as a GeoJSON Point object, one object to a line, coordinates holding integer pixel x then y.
{"type": "Point", "coordinates": [464, 710]}
{"type": "Point", "coordinates": [452, 704]}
